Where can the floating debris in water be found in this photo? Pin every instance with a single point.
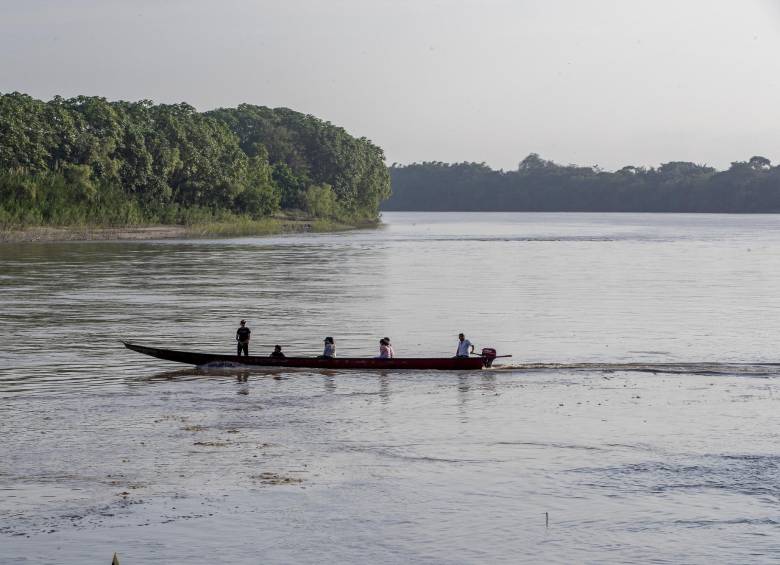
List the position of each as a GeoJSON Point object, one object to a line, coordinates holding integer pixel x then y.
{"type": "Point", "coordinates": [276, 479]}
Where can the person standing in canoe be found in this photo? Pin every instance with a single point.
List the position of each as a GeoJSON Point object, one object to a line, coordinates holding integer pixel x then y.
{"type": "Point", "coordinates": [243, 334]}
{"type": "Point", "coordinates": [329, 352]}
{"type": "Point", "coordinates": [463, 346]}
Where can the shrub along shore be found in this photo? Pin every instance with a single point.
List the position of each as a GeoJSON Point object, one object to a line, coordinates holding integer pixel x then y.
{"type": "Point", "coordinates": [87, 168]}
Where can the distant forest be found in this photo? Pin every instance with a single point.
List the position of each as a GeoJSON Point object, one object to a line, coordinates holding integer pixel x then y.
{"type": "Point", "coordinates": [87, 160]}
{"type": "Point", "coordinates": [544, 186]}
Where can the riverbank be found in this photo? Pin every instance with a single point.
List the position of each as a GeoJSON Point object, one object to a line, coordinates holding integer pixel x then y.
{"type": "Point", "coordinates": [243, 228]}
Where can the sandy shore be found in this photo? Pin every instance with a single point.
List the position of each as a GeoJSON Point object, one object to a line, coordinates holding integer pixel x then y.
{"type": "Point", "coordinates": [93, 234]}
{"type": "Point", "coordinates": [268, 226]}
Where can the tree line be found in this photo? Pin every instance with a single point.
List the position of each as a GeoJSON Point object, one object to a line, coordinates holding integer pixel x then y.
{"type": "Point", "coordinates": [544, 186]}
{"type": "Point", "coordinates": [88, 160]}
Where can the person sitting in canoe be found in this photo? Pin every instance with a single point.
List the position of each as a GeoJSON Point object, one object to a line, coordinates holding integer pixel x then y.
{"type": "Point", "coordinates": [242, 337]}
{"type": "Point", "coordinates": [385, 349]}
{"type": "Point", "coordinates": [329, 352]}
{"type": "Point", "coordinates": [277, 353]}
{"type": "Point", "coordinates": [463, 346]}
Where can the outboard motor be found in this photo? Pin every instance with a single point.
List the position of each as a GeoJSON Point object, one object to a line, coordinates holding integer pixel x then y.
{"type": "Point", "coordinates": [488, 354]}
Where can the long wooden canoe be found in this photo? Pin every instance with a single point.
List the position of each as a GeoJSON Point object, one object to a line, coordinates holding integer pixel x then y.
{"type": "Point", "coordinates": [365, 363]}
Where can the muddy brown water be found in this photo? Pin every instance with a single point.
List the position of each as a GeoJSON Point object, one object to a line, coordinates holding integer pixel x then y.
{"type": "Point", "coordinates": [639, 412]}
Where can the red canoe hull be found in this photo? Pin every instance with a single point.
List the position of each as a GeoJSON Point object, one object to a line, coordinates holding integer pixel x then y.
{"type": "Point", "coordinates": [339, 363]}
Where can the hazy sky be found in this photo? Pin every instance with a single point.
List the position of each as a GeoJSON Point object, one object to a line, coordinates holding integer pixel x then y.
{"type": "Point", "coordinates": [608, 82]}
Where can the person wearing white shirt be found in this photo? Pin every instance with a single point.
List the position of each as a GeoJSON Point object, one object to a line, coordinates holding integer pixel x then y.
{"type": "Point", "coordinates": [463, 346]}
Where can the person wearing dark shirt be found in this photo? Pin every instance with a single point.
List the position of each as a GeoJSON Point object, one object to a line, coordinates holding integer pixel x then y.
{"type": "Point", "coordinates": [277, 353]}
{"type": "Point", "coordinates": [242, 337]}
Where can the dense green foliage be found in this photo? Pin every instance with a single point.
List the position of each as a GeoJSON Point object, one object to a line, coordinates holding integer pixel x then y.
{"type": "Point", "coordinates": [540, 185]}
{"type": "Point", "coordinates": [308, 152]}
{"type": "Point", "coordinates": [87, 160]}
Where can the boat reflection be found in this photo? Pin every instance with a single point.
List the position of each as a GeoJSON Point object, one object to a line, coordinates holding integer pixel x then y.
{"type": "Point", "coordinates": [241, 374]}
{"type": "Point", "coordinates": [384, 387]}
{"type": "Point", "coordinates": [465, 384]}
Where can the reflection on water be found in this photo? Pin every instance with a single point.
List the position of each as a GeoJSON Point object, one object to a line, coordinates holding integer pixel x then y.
{"type": "Point", "coordinates": [639, 410]}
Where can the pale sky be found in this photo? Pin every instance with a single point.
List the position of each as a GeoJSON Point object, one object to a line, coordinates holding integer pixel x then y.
{"type": "Point", "coordinates": [608, 82]}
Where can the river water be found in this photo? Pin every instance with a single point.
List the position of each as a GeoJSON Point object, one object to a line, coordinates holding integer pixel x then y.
{"type": "Point", "coordinates": [637, 421]}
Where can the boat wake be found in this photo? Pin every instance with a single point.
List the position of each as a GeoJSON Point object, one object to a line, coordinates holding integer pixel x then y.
{"type": "Point", "coordinates": [725, 369]}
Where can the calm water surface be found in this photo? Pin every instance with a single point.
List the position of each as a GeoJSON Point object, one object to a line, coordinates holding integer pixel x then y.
{"type": "Point", "coordinates": [639, 414]}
